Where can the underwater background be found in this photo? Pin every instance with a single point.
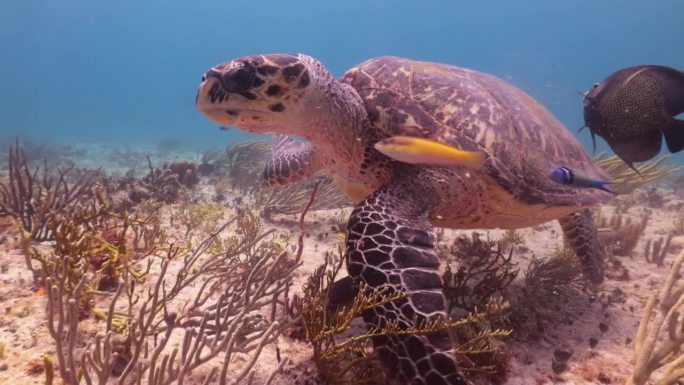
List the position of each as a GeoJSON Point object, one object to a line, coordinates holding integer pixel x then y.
{"type": "Point", "coordinates": [119, 202]}
{"type": "Point", "coordinates": [127, 71]}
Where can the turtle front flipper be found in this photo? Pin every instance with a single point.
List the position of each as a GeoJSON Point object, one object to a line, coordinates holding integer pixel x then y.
{"type": "Point", "coordinates": [580, 230]}
{"type": "Point", "coordinates": [290, 162]}
{"type": "Point", "coordinates": [390, 246]}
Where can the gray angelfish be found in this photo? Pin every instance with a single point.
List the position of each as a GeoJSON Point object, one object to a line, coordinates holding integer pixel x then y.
{"type": "Point", "coordinates": [634, 108]}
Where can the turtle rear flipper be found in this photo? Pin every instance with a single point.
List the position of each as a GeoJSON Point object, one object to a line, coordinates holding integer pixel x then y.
{"type": "Point", "coordinates": [580, 230]}
{"type": "Point", "coordinates": [390, 246]}
{"type": "Point", "coordinates": [290, 162]}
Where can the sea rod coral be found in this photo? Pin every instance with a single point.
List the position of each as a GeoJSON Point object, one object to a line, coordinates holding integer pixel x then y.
{"type": "Point", "coordinates": [659, 342]}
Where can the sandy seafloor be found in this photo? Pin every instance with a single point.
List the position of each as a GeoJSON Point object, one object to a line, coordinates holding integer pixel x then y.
{"type": "Point", "coordinates": [25, 337]}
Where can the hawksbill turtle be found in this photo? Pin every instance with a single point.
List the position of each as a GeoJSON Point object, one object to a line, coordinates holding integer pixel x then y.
{"type": "Point", "coordinates": [390, 241]}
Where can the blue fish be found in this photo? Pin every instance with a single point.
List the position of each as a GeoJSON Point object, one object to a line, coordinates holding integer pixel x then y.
{"type": "Point", "coordinates": [564, 175]}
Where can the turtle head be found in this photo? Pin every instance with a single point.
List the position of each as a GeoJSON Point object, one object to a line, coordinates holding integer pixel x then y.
{"type": "Point", "coordinates": [262, 93]}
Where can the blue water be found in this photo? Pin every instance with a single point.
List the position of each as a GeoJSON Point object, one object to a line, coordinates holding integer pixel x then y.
{"type": "Point", "coordinates": [127, 71]}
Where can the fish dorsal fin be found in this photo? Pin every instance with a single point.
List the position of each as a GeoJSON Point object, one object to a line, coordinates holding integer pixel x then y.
{"type": "Point", "coordinates": [674, 136]}
{"type": "Point", "coordinates": [634, 75]}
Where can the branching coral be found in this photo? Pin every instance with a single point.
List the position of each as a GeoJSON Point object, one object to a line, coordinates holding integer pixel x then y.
{"type": "Point", "coordinates": [103, 242]}
{"type": "Point", "coordinates": [166, 182]}
{"type": "Point", "coordinates": [63, 317]}
{"type": "Point", "coordinates": [659, 342]}
{"type": "Point", "coordinates": [551, 287]}
{"type": "Point", "coordinates": [558, 277]}
{"type": "Point", "coordinates": [484, 273]}
{"type": "Point", "coordinates": [511, 238]}
{"type": "Point", "coordinates": [659, 251]}
{"type": "Point", "coordinates": [199, 217]}
{"type": "Point", "coordinates": [349, 359]}
{"type": "Point", "coordinates": [73, 235]}
{"type": "Point", "coordinates": [627, 231]}
{"type": "Point", "coordinates": [220, 320]}
{"type": "Point", "coordinates": [482, 279]}
{"type": "Point", "coordinates": [34, 199]}
{"type": "Point", "coordinates": [626, 179]}
{"type": "Point", "coordinates": [124, 242]}
{"type": "Point", "coordinates": [345, 362]}
{"type": "Point", "coordinates": [678, 225]}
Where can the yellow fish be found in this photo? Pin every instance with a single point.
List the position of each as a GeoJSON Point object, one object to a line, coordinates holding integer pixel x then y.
{"type": "Point", "coordinates": [415, 150]}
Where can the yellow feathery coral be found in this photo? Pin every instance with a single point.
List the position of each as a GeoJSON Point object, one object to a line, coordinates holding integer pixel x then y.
{"type": "Point", "coordinates": [627, 179]}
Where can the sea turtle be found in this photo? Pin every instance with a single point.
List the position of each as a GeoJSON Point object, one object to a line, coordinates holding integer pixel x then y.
{"type": "Point", "coordinates": [390, 241]}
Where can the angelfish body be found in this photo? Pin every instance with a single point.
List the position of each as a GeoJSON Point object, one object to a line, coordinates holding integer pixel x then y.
{"type": "Point", "coordinates": [566, 176]}
{"type": "Point", "coordinates": [414, 150]}
{"type": "Point", "coordinates": [634, 108]}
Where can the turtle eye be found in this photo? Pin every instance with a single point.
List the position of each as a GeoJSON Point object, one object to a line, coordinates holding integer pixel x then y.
{"type": "Point", "coordinates": [238, 79]}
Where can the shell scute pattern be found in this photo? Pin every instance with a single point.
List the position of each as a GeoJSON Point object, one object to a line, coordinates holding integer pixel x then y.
{"type": "Point", "coordinates": [476, 112]}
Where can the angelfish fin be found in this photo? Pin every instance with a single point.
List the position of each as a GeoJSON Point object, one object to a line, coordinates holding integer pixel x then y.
{"type": "Point", "coordinates": [636, 170]}
{"type": "Point", "coordinates": [674, 136]}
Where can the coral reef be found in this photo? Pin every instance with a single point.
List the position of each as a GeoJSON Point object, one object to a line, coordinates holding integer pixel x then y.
{"type": "Point", "coordinates": [198, 217]}
{"type": "Point", "coordinates": [163, 279]}
{"type": "Point", "coordinates": [659, 251]}
{"type": "Point", "coordinates": [35, 199]}
{"type": "Point", "coordinates": [627, 231]}
{"type": "Point", "coordinates": [484, 273]}
{"type": "Point", "coordinates": [344, 359]}
{"type": "Point", "coordinates": [550, 294]}
{"type": "Point", "coordinates": [659, 342]}
{"type": "Point", "coordinates": [220, 319]}
{"type": "Point", "coordinates": [164, 184]}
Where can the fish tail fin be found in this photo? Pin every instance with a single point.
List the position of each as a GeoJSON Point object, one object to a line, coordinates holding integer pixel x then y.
{"type": "Point", "coordinates": [602, 186]}
{"type": "Point", "coordinates": [674, 136]}
{"type": "Point", "coordinates": [478, 160]}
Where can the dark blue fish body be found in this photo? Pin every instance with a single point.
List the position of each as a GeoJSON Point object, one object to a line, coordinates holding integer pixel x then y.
{"type": "Point", "coordinates": [565, 176]}
{"type": "Point", "coordinates": [634, 108]}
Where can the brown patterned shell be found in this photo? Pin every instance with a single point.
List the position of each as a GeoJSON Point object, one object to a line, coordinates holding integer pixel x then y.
{"type": "Point", "coordinates": [475, 111]}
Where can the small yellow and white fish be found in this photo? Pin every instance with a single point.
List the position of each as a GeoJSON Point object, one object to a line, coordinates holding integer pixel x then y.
{"type": "Point", "coordinates": [409, 149]}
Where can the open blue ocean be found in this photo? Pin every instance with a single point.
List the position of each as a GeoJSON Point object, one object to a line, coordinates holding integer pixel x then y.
{"type": "Point", "coordinates": [127, 71]}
